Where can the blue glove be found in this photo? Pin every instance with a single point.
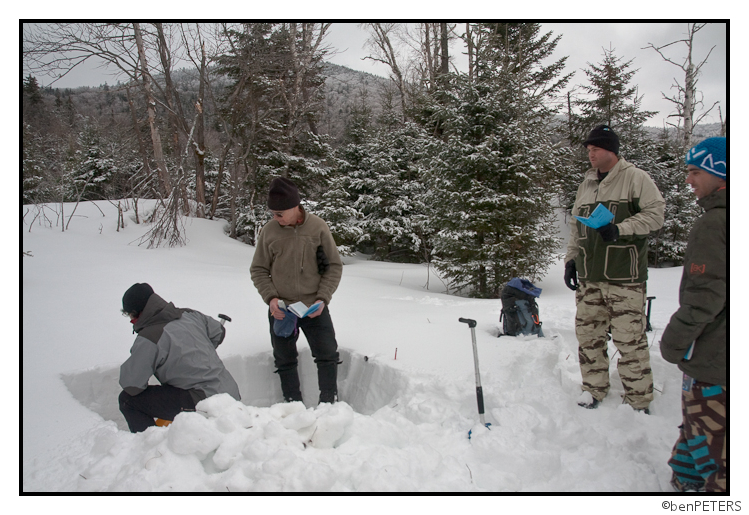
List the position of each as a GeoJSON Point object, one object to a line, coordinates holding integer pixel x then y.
{"type": "Point", "coordinates": [286, 327]}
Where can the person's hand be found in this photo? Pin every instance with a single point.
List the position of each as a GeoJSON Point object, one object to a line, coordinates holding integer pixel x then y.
{"type": "Point", "coordinates": [609, 232]}
{"type": "Point", "coordinates": [570, 275]}
{"type": "Point", "coordinates": [275, 311]}
{"type": "Point", "coordinates": [318, 312]}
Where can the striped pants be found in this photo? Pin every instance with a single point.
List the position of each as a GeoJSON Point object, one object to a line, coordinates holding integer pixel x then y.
{"type": "Point", "coordinates": [699, 456]}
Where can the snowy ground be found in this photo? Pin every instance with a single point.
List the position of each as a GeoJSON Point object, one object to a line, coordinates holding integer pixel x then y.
{"type": "Point", "coordinates": [402, 423]}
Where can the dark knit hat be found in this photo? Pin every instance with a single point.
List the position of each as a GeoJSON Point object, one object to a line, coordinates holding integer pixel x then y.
{"type": "Point", "coordinates": [135, 298]}
{"type": "Point", "coordinates": [710, 155]}
{"type": "Point", "coordinates": [282, 195]}
{"type": "Point", "coordinates": [603, 137]}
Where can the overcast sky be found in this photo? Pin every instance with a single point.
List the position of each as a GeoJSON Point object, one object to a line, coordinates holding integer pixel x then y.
{"type": "Point", "coordinates": [583, 43]}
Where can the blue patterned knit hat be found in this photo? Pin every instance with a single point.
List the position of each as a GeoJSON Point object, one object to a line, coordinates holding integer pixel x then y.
{"type": "Point", "coordinates": [709, 155]}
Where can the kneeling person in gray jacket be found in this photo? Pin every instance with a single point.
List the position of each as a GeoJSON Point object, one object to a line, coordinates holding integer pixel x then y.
{"type": "Point", "coordinates": [178, 346]}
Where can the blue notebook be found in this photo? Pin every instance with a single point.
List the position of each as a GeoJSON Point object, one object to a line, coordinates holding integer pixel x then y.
{"type": "Point", "coordinates": [301, 310]}
{"type": "Point", "coordinates": [598, 218]}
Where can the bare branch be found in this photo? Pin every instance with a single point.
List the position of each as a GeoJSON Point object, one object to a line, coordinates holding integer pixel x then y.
{"type": "Point", "coordinates": [54, 49]}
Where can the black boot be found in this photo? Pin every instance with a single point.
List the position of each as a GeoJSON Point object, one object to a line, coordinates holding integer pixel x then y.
{"type": "Point", "coordinates": [327, 374]}
{"type": "Point", "coordinates": [290, 385]}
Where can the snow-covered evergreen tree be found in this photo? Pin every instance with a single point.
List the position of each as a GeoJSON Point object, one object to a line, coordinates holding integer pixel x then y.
{"type": "Point", "coordinates": [33, 167]}
{"type": "Point", "coordinates": [669, 244]}
{"type": "Point", "coordinates": [376, 200]}
{"type": "Point", "coordinates": [608, 98]}
{"type": "Point", "coordinates": [492, 172]}
{"type": "Point", "coordinates": [611, 99]}
{"type": "Point", "coordinates": [271, 109]}
{"type": "Point", "coordinates": [94, 168]}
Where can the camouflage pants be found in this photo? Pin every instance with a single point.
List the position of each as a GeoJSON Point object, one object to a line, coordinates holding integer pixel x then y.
{"type": "Point", "coordinates": [699, 456]}
{"type": "Point", "coordinates": [619, 309]}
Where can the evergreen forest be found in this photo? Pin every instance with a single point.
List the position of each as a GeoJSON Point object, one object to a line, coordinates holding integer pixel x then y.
{"type": "Point", "coordinates": [468, 172]}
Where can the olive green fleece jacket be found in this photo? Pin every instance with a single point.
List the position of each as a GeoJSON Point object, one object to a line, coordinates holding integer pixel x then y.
{"type": "Point", "coordinates": [702, 315]}
{"type": "Point", "coordinates": [285, 262]}
{"type": "Point", "coordinates": [632, 196]}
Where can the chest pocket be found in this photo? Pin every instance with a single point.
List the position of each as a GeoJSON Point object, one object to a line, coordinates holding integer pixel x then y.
{"type": "Point", "coordinates": [309, 254]}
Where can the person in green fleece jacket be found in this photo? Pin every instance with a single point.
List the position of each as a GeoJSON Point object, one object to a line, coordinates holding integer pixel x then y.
{"type": "Point", "coordinates": [296, 260]}
{"type": "Point", "coordinates": [611, 263]}
{"type": "Point", "coordinates": [695, 338]}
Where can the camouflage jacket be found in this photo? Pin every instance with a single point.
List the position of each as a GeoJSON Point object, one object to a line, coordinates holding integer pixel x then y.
{"type": "Point", "coordinates": [632, 196]}
{"type": "Point", "coordinates": [701, 317]}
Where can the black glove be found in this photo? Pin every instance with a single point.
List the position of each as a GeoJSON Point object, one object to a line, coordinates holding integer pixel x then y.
{"type": "Point", "coordinates": [570, 275]}
{"type": "Point", "coordinates": [322, 261]}
{"type": "Point", "coordinates": [609, 232]}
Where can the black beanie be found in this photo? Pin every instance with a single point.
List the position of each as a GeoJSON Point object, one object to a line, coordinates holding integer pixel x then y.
{"type": "Point", "coordinates": [603, 137]}
{"type": "Point", "coordinates": [282, 195]}
{"type": "Point", "coordinates": [135, 298]}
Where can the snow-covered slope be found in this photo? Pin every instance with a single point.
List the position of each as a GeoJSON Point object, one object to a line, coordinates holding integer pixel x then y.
{"type": "Point", "coordinates": [403, 419]}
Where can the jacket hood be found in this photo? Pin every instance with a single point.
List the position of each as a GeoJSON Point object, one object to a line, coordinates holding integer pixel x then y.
{"type": "Point", "coordinates": [156, 315]}
{"type": "Point", "coordinates": [716, 199]}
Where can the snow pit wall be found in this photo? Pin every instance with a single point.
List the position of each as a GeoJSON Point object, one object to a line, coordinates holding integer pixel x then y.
{"type": "Point", "coordinates": [365, 384]}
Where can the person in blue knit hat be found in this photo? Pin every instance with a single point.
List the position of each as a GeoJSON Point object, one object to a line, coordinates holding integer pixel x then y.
{"type": "Point", "coordinates": [695, 338]}
{"type": "Point", "coordinates": [708, 156]}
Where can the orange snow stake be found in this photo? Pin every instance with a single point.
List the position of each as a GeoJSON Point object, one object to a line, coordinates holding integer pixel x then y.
{"type": "Point", "coordinates": [162, 423]}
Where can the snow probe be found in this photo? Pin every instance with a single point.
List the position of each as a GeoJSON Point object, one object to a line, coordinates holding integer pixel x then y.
{"type": "Point", "coordinates": [479, 391]}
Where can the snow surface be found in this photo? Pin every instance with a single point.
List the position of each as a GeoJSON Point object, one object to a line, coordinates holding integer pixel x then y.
{"type": "Point", "coordinates": [402, 421]}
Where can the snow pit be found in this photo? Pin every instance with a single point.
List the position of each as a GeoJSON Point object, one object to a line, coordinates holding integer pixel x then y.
{"type": "Point", "coordinates": [364, 384]}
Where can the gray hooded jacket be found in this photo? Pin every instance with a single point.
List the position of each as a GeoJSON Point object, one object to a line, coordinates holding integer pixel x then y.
{"type": "Point", "coordinates": [178, 346]}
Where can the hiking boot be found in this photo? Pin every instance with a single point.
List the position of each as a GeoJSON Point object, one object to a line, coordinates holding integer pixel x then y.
{"type": "Point", "coordinates": [686, 486]}
{"type": "Point", "coordinates": [329, 396]}
{"type": "Point", "coordinates": [327, 375]}
{"type": "Point", "coordinates": [587, 401]}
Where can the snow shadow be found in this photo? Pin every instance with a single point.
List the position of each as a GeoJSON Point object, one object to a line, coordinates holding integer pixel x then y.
{"type": "Point", "coordinates": [365, 383]}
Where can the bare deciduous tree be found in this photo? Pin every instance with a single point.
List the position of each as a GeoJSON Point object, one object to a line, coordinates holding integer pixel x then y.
{"type": "Point", "coordinates": [686, 100]}
{"type": "Point", "coordinates": [383, 51]}
{"type": "Point", "coordinates": [158, 151]}
{"type": "Point", "coordinates": [305, 48]}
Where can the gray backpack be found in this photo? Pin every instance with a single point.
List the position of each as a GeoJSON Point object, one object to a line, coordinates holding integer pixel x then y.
{"type": "Point", "coordinates": [519, 309]}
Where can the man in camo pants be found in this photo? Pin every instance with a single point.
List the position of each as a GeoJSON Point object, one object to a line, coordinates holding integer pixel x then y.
{"type": "Point", "coordinates": [695, 338]}
{"type": "Point", "coordinates": [611, 263]}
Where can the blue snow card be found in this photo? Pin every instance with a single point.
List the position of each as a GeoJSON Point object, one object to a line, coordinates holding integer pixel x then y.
{"type": "Point", "coordinates": [600, 217]}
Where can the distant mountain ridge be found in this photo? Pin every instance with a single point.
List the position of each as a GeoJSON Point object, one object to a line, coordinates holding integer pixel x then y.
{"type": "Point", "coordinates": [344, 89]}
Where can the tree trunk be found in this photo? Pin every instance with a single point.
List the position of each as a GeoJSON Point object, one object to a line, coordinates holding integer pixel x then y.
{"type": "Point", "coordinates": [469, 43]}
{"type": "Point", "coordinates": [199, 144]}
{"type": "Point", "coordinates": [221, 167]}
{"type": "Point", "coordinates": [166, 183]}
{"type": "Point", "coordinates": [141, 145]}
{"type": "Point", "coordinates": [445, 68]}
